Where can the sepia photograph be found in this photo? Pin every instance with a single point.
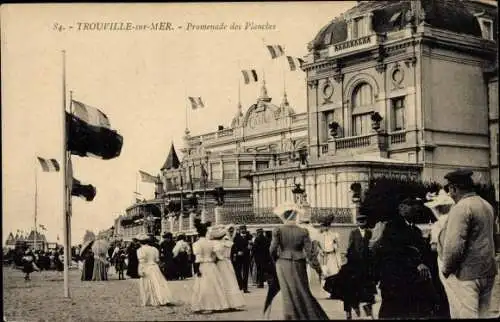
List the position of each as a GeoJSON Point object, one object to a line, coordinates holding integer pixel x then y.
{"type": "Point", "coordinates": [288, 160]}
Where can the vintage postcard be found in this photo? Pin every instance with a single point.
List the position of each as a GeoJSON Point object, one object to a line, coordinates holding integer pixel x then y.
{"type": "Point", "coordinates": [159, 160]}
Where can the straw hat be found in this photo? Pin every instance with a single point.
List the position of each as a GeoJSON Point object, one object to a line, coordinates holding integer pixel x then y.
{"type": "Point", "coordinates": [217, 232]}
{"type": "Point", "coordinates": [142, 237]}
{"type": "Point", "coordinates": [288, 211]}
{"type": "Point", "coordinates": [441, 199]}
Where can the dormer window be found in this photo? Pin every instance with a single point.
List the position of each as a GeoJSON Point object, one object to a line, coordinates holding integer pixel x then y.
{"type": "Point", "coordinates": [486, 28]}
{"type": "Point", "coordinates": [360, 26]}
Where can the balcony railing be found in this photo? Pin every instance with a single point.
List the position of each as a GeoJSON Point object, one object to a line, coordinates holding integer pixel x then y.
{"type": "Point", "coordinates": [397, 138]}
{"type": "Point", "coordinates": [353, 142]}
{"type": "Point", "coordinates": [354, 44]}
{"type": "Point", "coordinates": [200, 185]}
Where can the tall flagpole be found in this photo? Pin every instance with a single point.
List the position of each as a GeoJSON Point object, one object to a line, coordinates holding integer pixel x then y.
{"type": "Point", "coordinates": [36, 206]}
{"type": "Point", "coordinates": [64, 178]}
{"type": "Point", "coordinates": [70, 184]}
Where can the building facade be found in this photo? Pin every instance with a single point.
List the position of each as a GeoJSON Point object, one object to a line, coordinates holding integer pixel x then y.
{"type": "Point", "coordinates": [394, 88]}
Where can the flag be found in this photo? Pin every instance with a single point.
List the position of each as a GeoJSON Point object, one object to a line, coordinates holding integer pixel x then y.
{"type": "Point", "coordinates": [275, 51]}
{"type": "Point", "coordinates": [42, 227]}
{"type": "Point", "coordinates": [196, 102]}
{"type": "Point", "coordinates": [146, 177]}
{"type": "Point", "coordinates": [89, 133]}
{"type": "Point", "coordinates": [86, 192]}
{"type": "Point", "coordinates": [57, 237]}
{"type": "Point", "coordinates": [250, 75]}
{"type": "Point", "coordinates": [294, 63]}
{"type": "Point", "coordinates": [49, 165]}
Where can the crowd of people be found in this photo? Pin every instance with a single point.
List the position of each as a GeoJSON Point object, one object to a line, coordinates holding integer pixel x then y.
{"type": "Point", "coordinates": [449, 274]}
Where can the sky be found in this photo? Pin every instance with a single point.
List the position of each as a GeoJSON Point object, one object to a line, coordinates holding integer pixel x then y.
{"type": "Point", "coordinates": [141, 80]}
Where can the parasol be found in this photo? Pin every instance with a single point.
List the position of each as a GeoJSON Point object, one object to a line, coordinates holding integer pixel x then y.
{"type": "Point", "coordinates": [86, 246]}
{"type": "Point", "coordinates": [100, 247]}
{"type": "Point", "coordinates": [292, 208]}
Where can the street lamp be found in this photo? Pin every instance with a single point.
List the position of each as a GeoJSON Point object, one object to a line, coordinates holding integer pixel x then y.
{"type": "Point", "coordinates": [298, 194]}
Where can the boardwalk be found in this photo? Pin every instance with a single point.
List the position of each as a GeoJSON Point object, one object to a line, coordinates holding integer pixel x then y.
{"type": "Point", "coordinates": [114, 300]}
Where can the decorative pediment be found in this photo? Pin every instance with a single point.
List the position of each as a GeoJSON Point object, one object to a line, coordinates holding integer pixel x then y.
{"type": "Point", "coordinates": [261, 117]}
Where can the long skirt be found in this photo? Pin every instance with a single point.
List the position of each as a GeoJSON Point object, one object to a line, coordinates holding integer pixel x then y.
{"type": "Point", "coordinates": [153, 287]}
{"type": "Point", "coordinates": [230, 284]}
{"type": "Point", "coordinates": [208, 292]}
{"type": "Point", "coordinates": [298, 301]}
{"type": "Point", "coordinates": [100, 272]}
{"type": "Point", "coordinates": [88, 269]}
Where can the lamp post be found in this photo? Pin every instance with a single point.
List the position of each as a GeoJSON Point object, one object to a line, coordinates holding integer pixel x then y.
{"type": "Point", "coordinates": [356, 199]}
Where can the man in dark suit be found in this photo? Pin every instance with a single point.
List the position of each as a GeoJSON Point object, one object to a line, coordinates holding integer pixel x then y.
{"type": "Point", "coordinates": [240, 256]}
{"type": "Point", "coordinates": [359, 263]}
{"type": "Point", "coordinates": [399, 253]}
{"type": "Point", "coordinates": [260, 252]}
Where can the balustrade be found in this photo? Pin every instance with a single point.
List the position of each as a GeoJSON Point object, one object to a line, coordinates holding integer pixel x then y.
{"type": "Point", "coordinates": [397, 138]}
{"type": "Point", "coordinates": [353, 142]}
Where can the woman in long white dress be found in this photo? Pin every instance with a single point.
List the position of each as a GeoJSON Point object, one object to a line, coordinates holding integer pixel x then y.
{"type": "Point", "coordinates": [208, 292]}
{"type": "Point", "coordinates": [222, 249]}
{"type": "Point", "coordinates": [153, 287]}
{"type": "Point", "coordinates": [329, 248]}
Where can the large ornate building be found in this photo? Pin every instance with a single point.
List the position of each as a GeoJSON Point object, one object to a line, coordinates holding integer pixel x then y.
{"type": "Point", "coordinates": [404, 88]}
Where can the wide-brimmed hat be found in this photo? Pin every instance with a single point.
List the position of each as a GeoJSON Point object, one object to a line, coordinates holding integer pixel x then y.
{"type": "Point", "coordinates": [288, 211]}
{"type": "Point", "coordinates": [439, 199]}
{"type": "Point", "coordinates": [217, 232]}
{"type": "Point", "coordinates": [142, 237]}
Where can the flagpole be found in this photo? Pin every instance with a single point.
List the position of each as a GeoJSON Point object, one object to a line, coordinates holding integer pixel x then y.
{"type": "Point", "coordinates": [65, 194]}
{"type": "Point", "coordinates": [70, 185]}
{"type": "Point", "coordinates": [36, 205]}
{"type": "Point", "coordinates": [187, 107]}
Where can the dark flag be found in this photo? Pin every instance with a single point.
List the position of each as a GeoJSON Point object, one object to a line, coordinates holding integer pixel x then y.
{"type": "Point", "coordinates": [90, 133]}
{"type": "Point", "coordinates": [86, 191]}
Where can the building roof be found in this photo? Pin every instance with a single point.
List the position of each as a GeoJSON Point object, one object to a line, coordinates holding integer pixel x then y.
{"type": "Point", "coordinates": [172, 161]}
{"type": "Point", "coordinates": [389, 16]}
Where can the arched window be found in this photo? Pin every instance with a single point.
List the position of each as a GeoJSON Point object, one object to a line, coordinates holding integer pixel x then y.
{"type": "Point", "coordinates": [362, 108]}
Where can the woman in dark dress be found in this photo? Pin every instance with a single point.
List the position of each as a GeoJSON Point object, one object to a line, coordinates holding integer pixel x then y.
{"type": "Point", "coordinates": [58, 262]}
{"type": "Point", "coordinates": [88, 265]}
{"type": "Point", "coordinates": [290, 246]}
{"type": "Point", "coordinates": [28, 261]}
{"type": "Point", "coordinates": [167, 257]}
{"type": "Point", "coordinates": [133, 261]}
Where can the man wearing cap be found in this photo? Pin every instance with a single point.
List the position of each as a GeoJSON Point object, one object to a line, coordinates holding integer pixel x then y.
{"type": "Point", "coordinates": [468, 250]}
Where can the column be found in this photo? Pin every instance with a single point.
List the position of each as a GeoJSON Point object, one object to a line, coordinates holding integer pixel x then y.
{"type": "Point", "coordinates": [217, 211]}
{"type": "Point", "coordinates": [180, 222]}
{"type": "Point", "coordinates": [191, 220]}
{"type": "Point", "coordinates": [171, 222]}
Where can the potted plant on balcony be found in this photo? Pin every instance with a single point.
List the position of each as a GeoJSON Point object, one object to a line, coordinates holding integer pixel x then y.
{"type": "Point", "coordinates": [376, 118]}
{"type": "Point", "coordinates": [334, 128]}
